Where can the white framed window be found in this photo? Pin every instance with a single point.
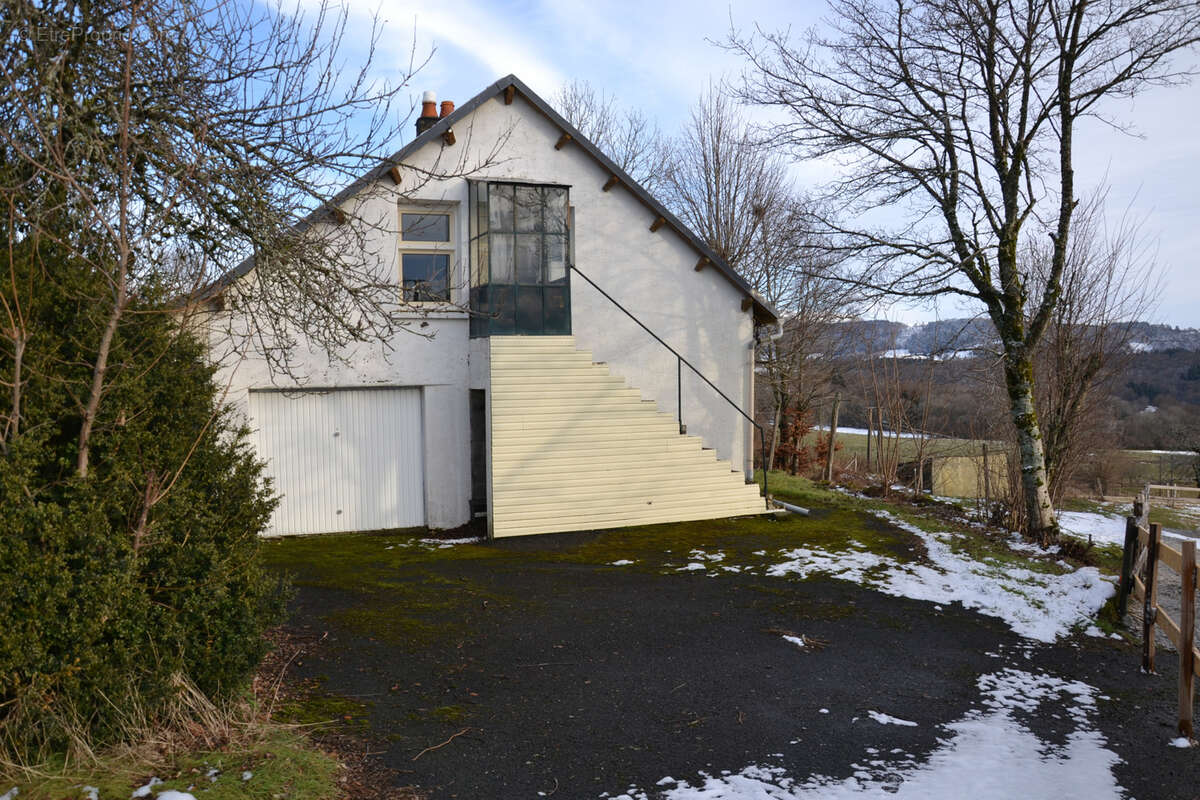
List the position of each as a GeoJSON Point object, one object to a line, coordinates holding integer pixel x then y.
{"type": "Point", "coordinates": [427, 236]}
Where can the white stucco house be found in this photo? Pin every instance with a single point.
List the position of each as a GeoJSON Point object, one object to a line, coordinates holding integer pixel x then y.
{"type": "Point", "coordinates": [568, 319]}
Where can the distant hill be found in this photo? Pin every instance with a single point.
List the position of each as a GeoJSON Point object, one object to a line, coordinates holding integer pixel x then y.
{"type": "Point", "coordinates": [961, 336]}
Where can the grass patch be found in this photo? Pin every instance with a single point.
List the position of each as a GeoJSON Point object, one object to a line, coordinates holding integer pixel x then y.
{"type": "Point", "coordinates": [358, 561]}
{"type": "Point", "coordinates": [283, 766]}
{"type": "Point", "coordinates": [325, 709]}
{"type": "Point", "coordinates": [801, 491]}
{"type": "Point", "coordinates": [1180, 518]}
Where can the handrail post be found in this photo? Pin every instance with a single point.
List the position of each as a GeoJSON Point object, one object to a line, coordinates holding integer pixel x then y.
{"type": "Point", "coordinates": [679, 391]}
{"type": "Point", "coordinates": [762, 456]}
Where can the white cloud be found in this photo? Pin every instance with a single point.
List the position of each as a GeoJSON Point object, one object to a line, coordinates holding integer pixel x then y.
{"type": "Point", "coordinates": [499, 42]}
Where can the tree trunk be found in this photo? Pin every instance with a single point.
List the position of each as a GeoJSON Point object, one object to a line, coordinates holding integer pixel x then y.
{"type": "Point", "coordinates": [12, 427]}
{"type": "Point", "coordinates": [1040, 522]}
{"type": "Point", "coordinates": [780, 401]}
{"type": "Point", "coordinates": [99, 369]}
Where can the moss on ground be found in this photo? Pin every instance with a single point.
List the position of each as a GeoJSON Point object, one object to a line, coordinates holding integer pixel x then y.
{"type": "Point", "coordinates": [362, 561]}
{"type": "Point", "coordinates": [283, 766]}
{"type": "Point", "coordinates": [408, 590]}
{"type": "Point", "coordinates": [323, 708]}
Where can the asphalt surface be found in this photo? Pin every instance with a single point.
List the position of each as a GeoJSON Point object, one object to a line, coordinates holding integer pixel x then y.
{"type": "Point", "coordinates": [574, 680]}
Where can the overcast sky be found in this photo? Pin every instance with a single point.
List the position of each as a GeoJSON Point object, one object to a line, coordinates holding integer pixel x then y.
{"type": "Point", "coordinates": [659, 56]}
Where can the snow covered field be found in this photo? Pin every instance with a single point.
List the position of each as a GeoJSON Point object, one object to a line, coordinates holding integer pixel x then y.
{"type": "Point", "coordinates": [1108, 526]}
{"type": "Point", "coordinates": [1103, 528]}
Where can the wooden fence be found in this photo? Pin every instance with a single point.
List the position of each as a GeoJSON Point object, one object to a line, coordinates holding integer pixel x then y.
{"type": "Point", "coordinates": [1144, 551]}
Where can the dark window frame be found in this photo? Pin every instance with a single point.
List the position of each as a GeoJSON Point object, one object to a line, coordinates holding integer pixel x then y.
{"type": "Point", "coordinates": [517, 303]}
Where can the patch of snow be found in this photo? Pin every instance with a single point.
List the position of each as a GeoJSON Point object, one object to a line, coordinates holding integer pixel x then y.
{"type": "Point", "coordinates": [796, 640]}
{"type": "Point", "coordinates": [1015, 542]}
{"type": "Point", "coordinates": [988, 755]}
{"type": "Point", "coordinates": [247, 775]}
{"type": "Point", "coordinates": [823, 710]}
{"type": "Point", "coordinates": [887, 719]}
{"type": "Point", "coordinates": [171, 794]}
{"type": "Point", "coordinates": [692, 567]}
{"type": "Point", "coordinates": [1100, 527]}
{"type": "Point", "coordinates": [850, 565]}
{"type": "Point", "coordinates": [624, 562]}
{"type": "Point", "coordinates": [144, 791]}
{"type": "Point", "coordinates": [1182, 741]}
{"type": "Point", "coordinates": [442, 544]}
{"type": "Point", "coordinates": [11, 794]}
{"type": "Point", "coordinates": [90, 792]}
{"type": "Point", "coordinates": [1036, 605]}
{"type": "Point", "coordinates": [865, 432]}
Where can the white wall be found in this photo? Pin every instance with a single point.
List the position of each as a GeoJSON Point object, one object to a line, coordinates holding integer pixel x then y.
{"type": "Point", "coordinates": [431, 353]}
{"type": "Point", "coordinates": [652, 274]}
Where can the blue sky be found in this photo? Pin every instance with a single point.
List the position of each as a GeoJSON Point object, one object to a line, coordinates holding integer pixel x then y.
{"type": "Point", "coordinates": [659, 56]}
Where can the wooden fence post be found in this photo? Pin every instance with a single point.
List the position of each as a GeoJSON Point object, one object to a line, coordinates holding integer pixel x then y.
{"type": "Point", "coordinates": [1187, 635]}
{"type": "Point", "coordinates": [1150, 604]}
{"type": "Point", "coordinates": [1126, 585]}
{"type": "Point", "coordinates": [833, 419]}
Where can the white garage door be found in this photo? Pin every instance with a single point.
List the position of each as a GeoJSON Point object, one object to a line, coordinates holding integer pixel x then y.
{"type": "Point", "coordinates": [343, 460]}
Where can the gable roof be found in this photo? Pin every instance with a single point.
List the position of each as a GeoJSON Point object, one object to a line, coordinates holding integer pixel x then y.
{"type": "Point", "coordinates": [763, 311]}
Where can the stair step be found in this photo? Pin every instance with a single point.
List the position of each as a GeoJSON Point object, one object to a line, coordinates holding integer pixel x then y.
{"type": "Point", "coordinates": [517, 526]}
{"type": "Point", "coordinates": [699, 488]}
{"type": "Point", "coordinates": [565, 392]}
{"type": "Point", "coordinates": [669, 472]}
{"type": "Point", "coordinates": [598, 446]}
{"type": "Point", "coordinates": [581, 435]}
{"type": "Point", "coordinates": [552, 411]}
{"type": "Point", "coordinates": [726, 505]}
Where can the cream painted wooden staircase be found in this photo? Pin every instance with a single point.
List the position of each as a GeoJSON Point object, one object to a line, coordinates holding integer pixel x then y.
{"type": "Point", "coordinates": [574, 448]}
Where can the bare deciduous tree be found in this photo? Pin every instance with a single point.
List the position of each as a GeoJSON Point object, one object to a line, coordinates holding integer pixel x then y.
{"type": "Point", "coordinates": [156, 143]}
{"type": "Point", "coordinates": [627, 136]}
{"type": "Point", "coordinates": [958, 118]}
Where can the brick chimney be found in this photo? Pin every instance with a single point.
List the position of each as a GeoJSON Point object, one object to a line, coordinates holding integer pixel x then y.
{"type": "Point", "coordinates": [429, 115]}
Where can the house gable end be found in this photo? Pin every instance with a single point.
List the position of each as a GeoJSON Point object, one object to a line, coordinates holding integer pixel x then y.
{"type": "Point", "coordinates": [504, 90]}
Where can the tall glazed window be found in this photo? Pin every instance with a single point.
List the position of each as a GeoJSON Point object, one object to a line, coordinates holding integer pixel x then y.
{"type": "Point", "coordinates": [520, 246]}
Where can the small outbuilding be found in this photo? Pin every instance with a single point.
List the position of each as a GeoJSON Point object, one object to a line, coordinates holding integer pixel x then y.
{"type": "Point", "coordinates": [969, 476]}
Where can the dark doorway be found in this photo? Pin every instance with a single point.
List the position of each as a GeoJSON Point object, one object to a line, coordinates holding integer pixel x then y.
{"type": "Point", "coordinates": [478, 452]}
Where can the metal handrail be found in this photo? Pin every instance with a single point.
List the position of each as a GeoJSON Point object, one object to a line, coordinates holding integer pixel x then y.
{"type": "Point", "coordinates": [679, 362]}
